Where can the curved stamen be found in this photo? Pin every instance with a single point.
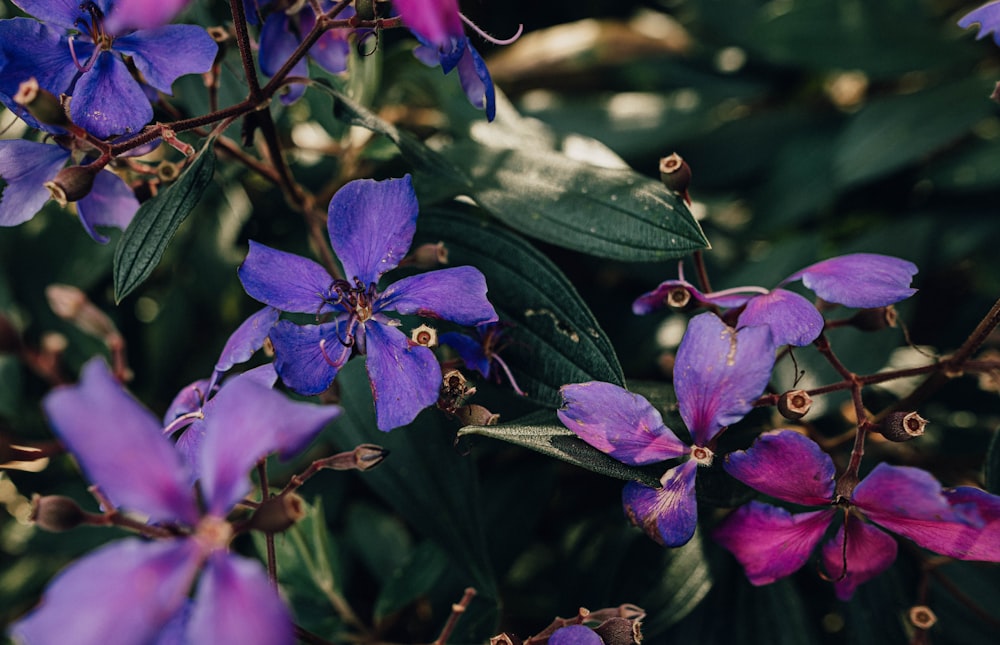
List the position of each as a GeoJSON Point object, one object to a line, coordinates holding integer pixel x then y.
{"type": "Point", "coordinates": [492, 39]}
{"type": "Point", "coordinates": [736, 291]}
{"type": "Point", "coordinates": [510, 377]}
{"type": "Point", "coordinates": [182, 421]}
{"type": "Point", "coordinates": [76, 61]}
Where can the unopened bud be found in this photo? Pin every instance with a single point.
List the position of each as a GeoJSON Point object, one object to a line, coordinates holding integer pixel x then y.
{"type": "Point", "coordinates": [794, 404]}
{"type": "Point", "coordinates": [902, 426]}
{"type": "Point", "coordinates": [619, 631]}
{"type": "Point", "coordinates": [278, 514]}
{"type": "Point", "coordinates": [506, 639]}
{"type": "Point", "coordinates": [476, 415]}
{"type": "Point", "coordinates": [218, 34]}
{"type": "Point", "coordinates": [167, 171]}
{"type": "Point", "coordinates": [72, 183]}
{"type": "Point", "coordinates": [364, 457]}
{"type": "Point", "coordinates": [429, 256]}
{"type": "Point", "coordinates": [676, 175]}
{"type": "Point", "coordinates": [424, 335]}
{"type": "Point", "coordinates": [72, 305]}
{"type": "Point", "coordinates": [922, 617]}
{"type": "Point", "coordinates": [40, 103]}
{"type": "Point", "coordinates": [874, 319]}
{"type": "Point", "coordinates": [56, 513]}
{"type": "Point", "coordinates": [10, 337]}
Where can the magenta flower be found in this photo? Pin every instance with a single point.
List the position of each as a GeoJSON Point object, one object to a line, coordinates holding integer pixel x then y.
{"type": "Point", "coordinates": [862, 280]}
{"type": "Point", "coordinates": [130, 590]}
{"type": "Point", "coordinates": [988, 19]}
{"type": "Point", "coordinates": [772, 543]}
{"type": "Point", "coordinates": [717, 375]}
{"type": "Point", "coordinates": [371, 225]}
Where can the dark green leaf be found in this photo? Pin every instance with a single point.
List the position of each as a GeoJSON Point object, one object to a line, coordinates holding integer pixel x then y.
{"type": "Point", "coordinates": [146, 238]}
{"type": "Point", "coordinates": [543, 433]}
{"type": "Point", "coordinates": [679, 583]}
{"type": "Point", "coordinates": [380, 538]}
{"type": "Point", "coordinates": [414, 578]}
{"type": "Point", "coordinates": [555, 339]}
{"type": "Point", "coordinates": [993, 465]}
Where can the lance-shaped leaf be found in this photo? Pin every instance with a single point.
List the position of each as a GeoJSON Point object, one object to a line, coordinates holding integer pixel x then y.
{"type": "Point", "coordinates": [146, 238]}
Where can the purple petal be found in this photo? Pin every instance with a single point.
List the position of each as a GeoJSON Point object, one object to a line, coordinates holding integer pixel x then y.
{"type": "Point", "coordinates": [165, 54]}
{"type": "Point", "coordinates": [142, 14]}
{"type": "Point", "coordinates": [405, 377]}
{"type": "Point", "coordinates": [108, 101]}
{"type": "Point", "coordinates": [792, 319]}
{"type": "Point", "coordinates": [110, 203]}
{"type": "Point", "coordinates": [476, 81]}
{"type": "Point", "coordinates": [575, 635]}
{"type": "Point", "coordinates": [190, 399]}
{"type": "Point", "coordinates": [371, 225]}
{"type": "Point", "coordinates": [436, 21]}
{"type": "Point", "coordinates": [910, 502]}
{"type": "Point", "coordinates": [286, 281]}
{"type": "Point", "coordinates": [470, 350]}
{"type": "Point", "coordinates": [243, 423]}
{"type": "Point", "coordinates": [988, 17]}
{"type": "Point", "coordinates": [277, 42]}
{"type": "Point", "coordinates": [718, 374]}
{"type": "Point", "coordinates": [235, 603]}
{"type": "Point", "coordinates": [669, 515]}
{"type": "Point", "coordinates": [618, 423]}
{"type": "Point", "coordinates": [457, 294]}
{"type": "Point", "coordinates": [787, 466]}
{"type": "Point", "coordinates": [658, 297]}
{"type": "Point", "coordinates": [332, 49]}
{"type": "Point", "coordinates": [247, 339]}
{"type": "Point", "coordinates": [119, 446]}
{"type": "Point", "coordinates": [62, 13]}
{"type": "Point", "coordinates": [770, 542]}
{"type": "Point", "coordinates": [869, 552]}
{"type": "Point", "coordinates": [862, 280]}
{"type": "Point", "coordinates": [26, 166]}
{"type": "Point", "coordinates": [31, 49]}
{"type": "Point", "coordinates": [124, 592]}
{"type": "Point", "coordinates": [308, 357]}
{"type": "Point", "coordinates": [982, 512]}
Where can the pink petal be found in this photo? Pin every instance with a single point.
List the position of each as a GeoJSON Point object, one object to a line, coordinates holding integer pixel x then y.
{"type": "Point", "coordinates": [869, 552]}
{"type": "Point", "coordinates": [786, 465]}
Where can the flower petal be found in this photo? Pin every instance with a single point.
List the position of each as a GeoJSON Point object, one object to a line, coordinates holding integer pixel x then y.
{"type": "Point", "coordinates": [618, 423]}
{"type": "Point", "coordinates": [286, 281]}
{"type": "Point", "coordinates": [119, 446]}
{"type": "Point", "coordinates": [982, 511]}
{"type": "Point", "coordinates": [166, 53]}
{"type": "Point", "coordinates": [867, 553]}
{"type": "Point", "coordinates": [110, 203]}
{"type": "Point", "coordinates": [108, 101]}
{"type": "Point", "coordinates": [235, 603]}
{"type": "Point", "coordinates": [26, 166]}
{"type": "Point", "coordinates": [457, 294]}
{"type": "Point", "coordinates": [988, 17]}
{"type": "Point", "coordinates": [244, 422]}
{"type": "Point", "coordinates": [62, 13]}
{"type": "Point", "coordinates": [785, 465]}
{"type": "Point", "coordinates": [718, 373]}
{"type": "Point", "coordinates": [792, 319]}
{"type": "Point", "coordinates": [332, 50]}
{"type": "Point", "coordinates": [30, 49]}
{"type": "Point", "coordinates": [476, 81]}
{"type": "Point", "coordinates": [142, 14]}
{"type": "Point", "coordinates": [124, 592]}
{"type": "Point", "coordinates": [405, 377]}
{"type": "Point", "coordinates": [247, 339]}
{"type": "Point", "coordinates": [575, 635]}
{"type": "Point", "coordinates": [371, 225]}
{"type": "Point", "coordinates": [470, 350]}
{"type": "Point", "coordinates": [308, 357]}
{"type": "Point", "coordinates": [277, 42]}
{"type": "Point", "coordinates": [669, 515]}
{"type": "Point", "coordinates": [436, 21]}
{"type": "Point", "coordinates": [658, 298]}
{"type": "Point", "coordinates": [770, 542]}
{"type": "Point", "coordinates": [862, 280]}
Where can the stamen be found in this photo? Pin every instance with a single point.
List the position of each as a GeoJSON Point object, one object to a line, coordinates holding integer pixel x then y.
{"type": "Point", "coordinates": [510, 377]}
{"type": "Point", "coordinates": [90, 62]}
{"type": "Point", "coordinates": [492, 39]}
{"type": "Point", "coordinates": [182, 421]}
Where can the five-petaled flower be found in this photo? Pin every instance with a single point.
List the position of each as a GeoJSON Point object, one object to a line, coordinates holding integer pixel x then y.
{"type": "Point", "coordinates": [771, 543]}
{"type": "Point", "coordinates": [130, 590]}
{"type": "Point", "coordinates": [717, 375]}
{"type": "Point", "coordinates": [371, 225]}
{"type": "Point", "coordinates": [79, 49]}
{"type": "Point", "coordinates": [862, 280]}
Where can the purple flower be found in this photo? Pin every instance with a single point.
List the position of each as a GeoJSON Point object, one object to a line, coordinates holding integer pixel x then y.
{"type": "Point", "coordinates": [575, 635]}
{"type": "Point", "coordinates": [281, 35]}
{"type": "Point", "coordinates": [131, 589]}
{"type": "Point", "coordinates": [437, 24]}
{"type": "Point", "coordinates": [80, 48]}
{"type": "Point", "coordinates": [27, 166]}
{"type": "Point", "coordinates": [717, 375]}
{"type": "Point", "coordinates": [863, 280]}
{"type": "Point", "coordinates": [988, 18]}
{"type": "Point", "coordinates": [483, 351]}
{"type": "Point", "coordinates": [772, 543]}
{"type": "Point", "coordinates": [371, 225]}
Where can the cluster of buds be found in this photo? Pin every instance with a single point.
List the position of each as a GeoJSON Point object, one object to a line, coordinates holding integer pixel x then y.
{"type": "Point", "coordinates": [611, 626]}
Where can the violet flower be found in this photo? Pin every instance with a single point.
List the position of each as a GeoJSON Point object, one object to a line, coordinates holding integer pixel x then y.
{"type": "Point", "coordinates": [988, 18]}
{"type": "Point", "coordinates": [28, 166]}
{"type": "Point", "coordinates": [772, 543]}
{"type": "Point", "coordinates": [862, 280]}
{"type": "Point", "coordinates": [371, 224]}
{"type": "Point", "coordinates": [717, 375]}
{"type": "Point", "coordinates": [129, 590]}
{"type": "Point", "coordinates": [79, 48]}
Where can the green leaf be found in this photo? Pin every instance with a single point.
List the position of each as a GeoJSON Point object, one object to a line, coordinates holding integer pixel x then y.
{"type": "Point", "coordinates": [415, 578]}
{"type": "Point", "coordinates": [146, 238]}
{"type": "Point", "coordinates": [676, 586]}
{"type": "Point", "coordinates": [379, 538]}
{"type": "Point", "coordinates": [543, 433]}
{"type": "Point", "coordinates": [555, 339]}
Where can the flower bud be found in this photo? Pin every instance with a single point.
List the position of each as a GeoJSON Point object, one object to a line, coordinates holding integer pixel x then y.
{"type": "Point", "coordinates": [429, 256]}
{"type": "Point", "coordinates": [72, 183]}
{"type": "Point", "coordinates": [476, 415]}
{"type": "Point", "coordinates": [277, 514]}
{"type": "Point", "coordinates": [874, 319]}
{"type": "Point", "coordinates": [902, 426]}
{"type": "Point", "coordinates": [56, 513]}
{"type": "Point", "coordinates": [922, 617]}
{"type": "Point", "coordinates": [72, 305]}
{"type": "Point", "coordinates": [794, 404]}
{"type": "Point", "coordinates": [676, 175]}
{"type": "Point", "coordinates": [40, 103]}
{"type": "Point", "coordinates": [619, 631]}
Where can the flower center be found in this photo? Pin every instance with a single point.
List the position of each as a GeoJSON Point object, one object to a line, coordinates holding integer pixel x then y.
{"type": "Point", "coordinates": [94, 27]}
{"type": "Point", "coordinates": [357, 299]}
{"type": "Point", "coordinates": [703, 456]}
{"type": "Point", "coordinates": [213, 533]}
